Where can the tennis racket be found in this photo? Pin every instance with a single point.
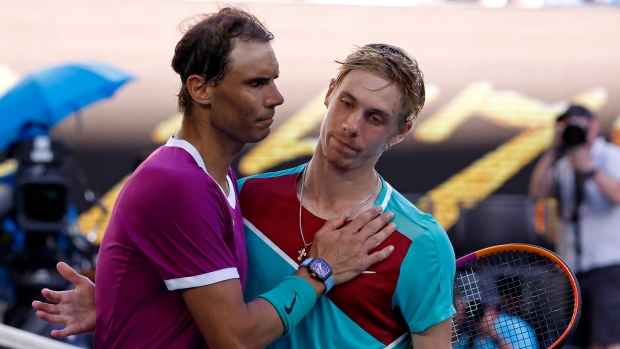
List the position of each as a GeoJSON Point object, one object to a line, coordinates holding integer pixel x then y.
{"type": "Point", "coordinates": [516, 294]}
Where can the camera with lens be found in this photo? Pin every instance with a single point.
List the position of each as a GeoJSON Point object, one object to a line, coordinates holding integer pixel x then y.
{"type": "Point", "coordinates": [574, 134]}
{"type": "Point", "coordinates": [38, 226]}
{"type": "Point", "coordinates": [576, 130]}
{"type": "Point", "coordinates": [42, 187]}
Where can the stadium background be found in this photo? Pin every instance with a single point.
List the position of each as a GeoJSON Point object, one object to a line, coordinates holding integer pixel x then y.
{"type": "Point", "coordinates": [496, 77]}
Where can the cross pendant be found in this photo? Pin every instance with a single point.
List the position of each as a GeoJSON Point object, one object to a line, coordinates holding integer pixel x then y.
{"type": "Point", "coordinates": [301, 253]}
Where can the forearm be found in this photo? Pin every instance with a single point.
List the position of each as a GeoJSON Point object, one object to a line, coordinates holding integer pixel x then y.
{"type": "Point", "coordinates": [608, 186]}
{"type": "Point", "coordinates": [541, 180]}
{"type": "Point", "coordinates": [257, 325]}
{"type": "Point", "coordinates": [261, 309]}
{"type": "Point", "coordinates": [318, 286]}
{"type": "Point", "coordinates": [225, 321]}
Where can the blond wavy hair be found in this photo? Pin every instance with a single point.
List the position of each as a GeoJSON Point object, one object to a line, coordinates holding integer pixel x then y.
{"type": "Point", "coordinates": [394, 64]}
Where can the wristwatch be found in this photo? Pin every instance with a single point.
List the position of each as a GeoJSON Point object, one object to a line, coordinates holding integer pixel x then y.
{"type": "Point", "coordinates": [588, 174]}
{"type": "Point", "coordinates": [320, 270]}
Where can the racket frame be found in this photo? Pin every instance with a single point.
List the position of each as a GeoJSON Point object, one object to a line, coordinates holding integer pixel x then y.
{"type": "Point", "coordinates": [545, 253]}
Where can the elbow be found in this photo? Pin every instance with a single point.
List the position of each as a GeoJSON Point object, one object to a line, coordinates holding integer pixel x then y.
{"type": "Point", "coordinates": [231, 344]}
{"type": "Point", "coordinates": [537, 190]}
{"type": "Point", "coordinates": [246, 345]}
{"type": "Point", "coordinates": [534, 192]}
{"type": "Point", "coordinates": [615, 195]}
{"type": "Point", "coordinates": [237, 342]}
{"type": "Point", "coordinates": [234, 345]}
{"type": "Point", "coordinates": [538, 194]}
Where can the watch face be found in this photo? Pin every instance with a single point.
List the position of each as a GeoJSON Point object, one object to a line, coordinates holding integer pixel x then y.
{"type": "Point", "coordinates": [322, 269]}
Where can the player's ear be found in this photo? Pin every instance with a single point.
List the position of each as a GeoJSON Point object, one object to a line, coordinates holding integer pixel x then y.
{"type": "Point", "coordinates": [330, 90]}
{"type": "Point", "coordinates": [199, 89]}
{"type": "Point", "coordinates": [402, 132]}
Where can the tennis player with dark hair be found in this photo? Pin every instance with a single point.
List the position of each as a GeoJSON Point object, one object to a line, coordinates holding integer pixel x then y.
{"type": "Point", "coordinates": [173, 261]}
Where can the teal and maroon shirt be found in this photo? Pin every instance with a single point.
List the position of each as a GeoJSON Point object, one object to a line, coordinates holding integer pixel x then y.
{"type": "Point", "coordinates": [407, 293]}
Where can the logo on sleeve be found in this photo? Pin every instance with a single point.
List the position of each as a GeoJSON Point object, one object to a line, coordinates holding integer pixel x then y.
{"type": "Point", "coordinates": [290, 307]}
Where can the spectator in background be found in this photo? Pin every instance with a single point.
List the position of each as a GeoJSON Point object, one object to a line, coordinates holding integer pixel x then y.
{"type": "Point", "coordinates": [582, 171]}
{"type": "Point", "coordinates": [486, 316]}
{"type": "Point", "coordinates": [511, 294]}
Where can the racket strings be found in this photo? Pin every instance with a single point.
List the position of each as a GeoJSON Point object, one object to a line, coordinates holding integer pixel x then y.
{"type": "Point", "coordinates": [521, 297]}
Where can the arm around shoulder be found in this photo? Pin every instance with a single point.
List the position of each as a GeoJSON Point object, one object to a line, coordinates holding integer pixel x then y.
{"type": "Point", "coordinates": [226, 321]}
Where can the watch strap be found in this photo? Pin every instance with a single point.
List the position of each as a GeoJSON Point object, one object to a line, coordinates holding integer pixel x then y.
{"type": "Point", "coordinates": [329, 283]}
{"type": "Point", "coordinates": [589, 174]}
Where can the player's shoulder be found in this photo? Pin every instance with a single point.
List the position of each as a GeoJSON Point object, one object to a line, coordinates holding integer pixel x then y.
{"type": "Point", "coordinates": [426, 234]}
{"type": "Point", "coordinates": [258, 178]}
{"type": "Point", "coordinates": [409, 219]}
{"type": "Point", "coordinates": [168, 162]}
{"type": "Point", "coordinates": [172, 172]}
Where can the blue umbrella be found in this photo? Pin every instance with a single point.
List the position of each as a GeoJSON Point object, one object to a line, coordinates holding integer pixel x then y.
{"type": "Point", "coordinates": [48, 95]}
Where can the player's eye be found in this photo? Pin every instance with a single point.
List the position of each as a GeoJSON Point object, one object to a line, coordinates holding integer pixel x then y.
{"type": "Point", "coordinates": [347, 104]}
{"type": "Point", "coordinates": [257, 83]}
{"type": "Point", "coordinates": [376, 119]}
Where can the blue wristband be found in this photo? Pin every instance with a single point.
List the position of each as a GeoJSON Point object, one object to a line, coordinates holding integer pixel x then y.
{"type": "Point", "coordinates": [329, 282]}
{"type": "Point", "coordinates": [292, 298]}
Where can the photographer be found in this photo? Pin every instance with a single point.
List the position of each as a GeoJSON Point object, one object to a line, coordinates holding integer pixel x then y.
{"type": "Point", "coordinates": [582, 171]}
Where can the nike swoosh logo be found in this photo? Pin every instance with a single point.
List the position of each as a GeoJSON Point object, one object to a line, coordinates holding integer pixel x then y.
{"type": "Point", "coordinates": [290, 307]}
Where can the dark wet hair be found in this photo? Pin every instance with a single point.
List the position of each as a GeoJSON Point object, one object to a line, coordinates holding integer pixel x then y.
{"type": "Point", "coordinates": [205, 47]}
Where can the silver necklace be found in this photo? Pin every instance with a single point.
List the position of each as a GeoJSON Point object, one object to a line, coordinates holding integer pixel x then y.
{"type": "Point", "coordinates": [300, 194]}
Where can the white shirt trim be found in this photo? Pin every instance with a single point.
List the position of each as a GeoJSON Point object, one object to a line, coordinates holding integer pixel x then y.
{"type": "Point", "coordinates": [202, 280]}
{"type": "Point", "coordinates": [398, 340]}
{"type": "Point", "coordinates": [388, 195]}
{"type": "Point", "coordinates": [180, 143]}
